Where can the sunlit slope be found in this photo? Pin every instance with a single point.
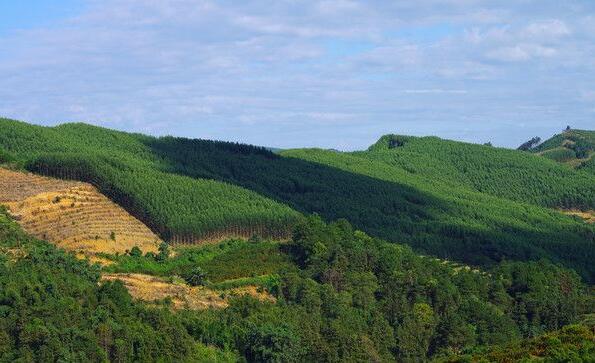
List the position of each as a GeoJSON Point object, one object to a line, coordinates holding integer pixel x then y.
{"type": "Point", "coordinates": [198, 187]}
{"type": "Point", "coordinates": [72, 215]}
{"type": "Point", "coordinates": [511, 174]}
{"type": "Point", "coordinates": [572, 147]}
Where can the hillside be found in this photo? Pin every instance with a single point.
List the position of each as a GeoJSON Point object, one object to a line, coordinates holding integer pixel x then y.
{"type": "Point", "coordinates": [72, 215]}
{"type": "Point", "coordinates": [124, 167]}
{"type": "Point", "coordinates": [572, 147]}
{"type": "Point", "coordinates": [459, 201]}
{"type": "Point", "coordinates": [54, 308]}
{"type": "Point", "coordinates": [340, 295]}
{"type": "Point", "coordinates": [496, 171]}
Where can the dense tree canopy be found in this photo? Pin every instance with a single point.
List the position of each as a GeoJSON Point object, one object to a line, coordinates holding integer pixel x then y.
{"type": "Point", "coordinates": [341, 295]}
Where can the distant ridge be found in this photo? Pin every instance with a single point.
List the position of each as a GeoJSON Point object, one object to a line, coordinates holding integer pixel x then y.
{"type": "Point", "coordinates": [571, 147]}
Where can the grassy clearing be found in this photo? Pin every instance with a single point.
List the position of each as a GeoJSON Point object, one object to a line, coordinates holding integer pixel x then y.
{"type": "Point", "coordinates": [228, 260]}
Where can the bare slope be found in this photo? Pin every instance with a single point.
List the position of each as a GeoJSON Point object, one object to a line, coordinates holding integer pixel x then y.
{"type": "Point", "coordinates": [150, 288]}
{"type": "Point", "coordinates": [72, 215]}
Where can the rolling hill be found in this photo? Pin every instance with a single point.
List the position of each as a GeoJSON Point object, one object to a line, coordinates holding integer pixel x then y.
{"type": "Point", "coordinates": [470, 203]}
{"type": "Point", "coordinates": [572, 147]}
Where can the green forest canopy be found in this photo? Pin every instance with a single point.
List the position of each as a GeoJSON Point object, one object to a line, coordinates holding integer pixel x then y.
{"type": "Point", "coordinates": [347, 298]}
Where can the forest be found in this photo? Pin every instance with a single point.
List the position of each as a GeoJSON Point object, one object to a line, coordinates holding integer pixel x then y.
{"type": "Point", "coordinates": [470, 203]}
{"type": "Point", "coordinates": [341, 296]}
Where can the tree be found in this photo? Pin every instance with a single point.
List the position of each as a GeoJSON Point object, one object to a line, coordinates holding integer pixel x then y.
{"type": "Point", "coordinates": [528, 145]}
{"type": "Point", "coordinates": [273, 343]}
{"type": "Point", "coordinates": [135, 252]}
{"type": "Point", "coordinates": [416, 331]}
{"type": "Point", "coordinates": [196, 277]}
{"type": "Point", "coordinates": [163, 252]}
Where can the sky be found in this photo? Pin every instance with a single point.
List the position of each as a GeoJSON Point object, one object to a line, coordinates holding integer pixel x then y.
{"type": "Point", "coordinates": [290, 73]}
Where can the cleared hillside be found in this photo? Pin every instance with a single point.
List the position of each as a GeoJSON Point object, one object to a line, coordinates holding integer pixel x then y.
{"type": "Point", "coordinates": [196, 189]}
{"type": "Point", "coordinates": [72, 215]}
{"type": "Point", "coordinates": [150, 289]}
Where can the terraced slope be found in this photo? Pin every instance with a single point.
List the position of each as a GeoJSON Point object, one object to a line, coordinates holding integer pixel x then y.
{"type": "Point", "coordinates": [72, 215]}
{"type": "Point", "coordinates": [17, 186]}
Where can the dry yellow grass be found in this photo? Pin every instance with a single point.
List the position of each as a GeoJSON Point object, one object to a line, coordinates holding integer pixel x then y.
{"type": "Point", "coordinates": [72, 215]}
{"type": "Point", "coordinates": [150, 288]}
{"type": "Point", "coordinates": [587, 216]}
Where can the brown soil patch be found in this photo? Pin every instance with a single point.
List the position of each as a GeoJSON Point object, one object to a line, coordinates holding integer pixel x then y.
{"type": "Point", "coordinates": [587, 216]}
{"type": "Point", "coordinates": [72, 215]}
{"type": "Point", "coordinates": [150, 288]}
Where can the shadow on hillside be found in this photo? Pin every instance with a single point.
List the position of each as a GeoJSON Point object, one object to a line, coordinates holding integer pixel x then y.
{"type": "Point", "coordinates": [389, 210]}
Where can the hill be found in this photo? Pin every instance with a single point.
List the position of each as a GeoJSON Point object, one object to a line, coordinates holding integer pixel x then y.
{"type": "Point", "coordinates": [124, 167]}
{"type": "Point", "coordinates": [470, 203]}
{"type": "Point", "coordinates": [572, 147]}
{"type": "Point", "coordinates": [72, 215]}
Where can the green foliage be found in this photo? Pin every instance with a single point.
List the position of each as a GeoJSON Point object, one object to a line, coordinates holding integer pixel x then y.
{"type": "Point", "coordinates": [195, 277]}
{"type": "Point", "coordinates": [573, 343]}
{"type": "Point", "coordinates": [125, 168]}
{"type": "Point", "coordinates": [430, 203]}
{"type": "Point", "coordinates": [6, 157]}
{"type": "Point", "coordinates": [52, 308]}
{"type": "Point", "coordinates": [356, 298]}
{"type": "Point", "coordinates": [342, 296]}
{"type": "Point", "coordinates": [529, 144]}
{"type": "Point", "coordinates": [559, 155]}
{"type": "Point", "coordinates": [163, 252]}
{"type": "Point", "coordinates": [135, 252]}
{"type": "Point", "coordinates": [415, 333]}
{"type": "Point", "coordinates": [228, 260]}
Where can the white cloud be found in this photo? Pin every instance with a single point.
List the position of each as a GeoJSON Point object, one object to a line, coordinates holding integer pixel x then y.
{"type": "Point", "coordinates": [547, 29]}
{"type": "Point", "coordinates": [521, 52]}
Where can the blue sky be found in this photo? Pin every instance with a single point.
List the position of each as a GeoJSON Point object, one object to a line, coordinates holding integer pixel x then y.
{"type": "Point", "coordinates": [289, 73]}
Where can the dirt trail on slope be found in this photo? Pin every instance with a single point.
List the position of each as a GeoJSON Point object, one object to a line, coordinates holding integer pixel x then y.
{"type": "Point", "coordinates": [73, 215]}
{"type": "Point", "coordinates": [587, 216]}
